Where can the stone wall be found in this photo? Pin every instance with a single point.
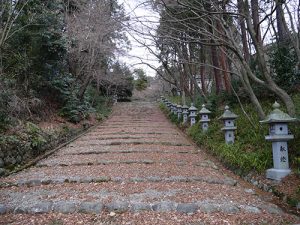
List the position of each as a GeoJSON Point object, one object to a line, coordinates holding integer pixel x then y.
{"type": "Point", "coordinates": [17, 150]}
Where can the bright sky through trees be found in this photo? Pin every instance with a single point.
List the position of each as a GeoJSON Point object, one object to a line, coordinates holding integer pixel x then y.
{"type": "Point", "coordinates": [143, 19]}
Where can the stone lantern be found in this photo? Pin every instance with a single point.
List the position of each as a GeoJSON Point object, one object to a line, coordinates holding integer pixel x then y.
{"type": "Point", "coordinates": [169, 104]}
{"type": "Point", "coordinates": [179, 111]}
{"type": "Point", "coordinates": [165, 101]}
{"type": "Point", "coordinates": [204, 113]}
{"type": "Point", "coordinates": [173, 108]}
{"type": "Point", "coordinates": [229, 128]}
{"type": "Point", "coordinates": [279, 135]}
{"type": "Point", "coordinates": [193, 114]}
{"type": "Point", "coordinates": [185, 112]}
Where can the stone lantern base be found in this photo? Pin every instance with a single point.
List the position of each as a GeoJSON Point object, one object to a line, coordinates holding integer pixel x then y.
{"type": "Point", "coordinates": [277, 174]}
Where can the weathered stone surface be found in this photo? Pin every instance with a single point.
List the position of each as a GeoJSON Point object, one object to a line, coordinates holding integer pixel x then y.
{"type": "Point", "coordinates": [208, 207]}
{"type": "Point", "coordinates": [2, 171]}
{"type": "Point", "coordinates": [19, 158]}
{"type": "Point", "coordinates": [250, 191]}
{"type": "Point", "coordinates": [140, 206]}
{"type": "Point", "coordinates": [187, 207]}
{"type": "Point", "coordinates": [137, 179]}
{"type": "Point", "coordinates": [271, 208]}
{"type": "Point", "coordinates": [119, 206]}
{"type": "Point", "coordinates": [147, 161]}
{"type": "Point", "coordinates": [117, 179]}
{"type": "Point", "coordinates": [33, 182]}
{"type": "Point", "coordinates": [251, 209]}
{"type": "Point", "coordinates": [165, 206]}
{"type": "Point", "coordinates": [85, 180]}
{"type": "Point", "coordinates": [90, 207]}
{"type": "Point", "coordinates": [46, 181]}
{"type": "Point", "coordinates": [64, 207]}
{"type": "Point", "coordinates": [20, 209]}
{"type": "Point", "coordinates": [101, 179]}
{"type": "Point", "coordinates": [40, 207]}
{"type": "Point", "coordinates": [181, 163]}
{"type": "Point", "coordinates": [228, 208]}
{"type": "Point", "coordinates": [230, 182]}
{"type": "Point", "coordinates": [176, 179]}
{"type": "Point", "coordinates": [3, 209]}
{"type": "Point", "coordinates": [10, 160]}
{"type": "Point", "coordinates": [58, 180]}
{"type": "Point", "coordinates": [1, 163]}
{"type": "Point", "coordinates": [154, 179]}
{"type": "Point", "coordinates": [21, 182]}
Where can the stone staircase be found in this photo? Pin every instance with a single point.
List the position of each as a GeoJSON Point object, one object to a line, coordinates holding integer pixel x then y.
{"type": "Point", "coordinates": [135, 168]}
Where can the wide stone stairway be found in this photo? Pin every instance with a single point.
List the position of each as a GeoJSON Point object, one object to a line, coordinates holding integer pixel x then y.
{"type": "Point", "coordinates": [134, 168]}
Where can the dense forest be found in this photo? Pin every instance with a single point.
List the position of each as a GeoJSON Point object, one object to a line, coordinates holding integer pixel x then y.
{"type": "Point", "coordinates": [248, 49]}
{"type": "Point", "coordinates": [60, 55]}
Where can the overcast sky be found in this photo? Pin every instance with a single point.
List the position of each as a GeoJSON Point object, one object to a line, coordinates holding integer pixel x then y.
{"type": "Point", "coordinates": [135, 9]}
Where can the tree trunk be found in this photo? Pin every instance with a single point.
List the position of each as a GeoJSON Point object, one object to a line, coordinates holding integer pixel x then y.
{"type": "Point", "coordinates": [255, 18]}
{"type": "Point", "coordinates": [271, 85]}
{"type": "Point", "coordinates": [243, 31]}
{"type": "Point", "coordinates": [202, 69]}
{"type": "Point", "coordinates": [215, 62]}
{"type": "Point", "coordinates": [282, 29]}
{"type": "Point", "coordinates": [83, 87]}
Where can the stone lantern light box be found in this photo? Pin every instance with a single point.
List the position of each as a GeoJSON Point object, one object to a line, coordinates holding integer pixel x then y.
{"type": "Point", "coordinates": [279, 135]}
{"type": "Point", "coordinates": [229, 125]}
{"type": "Point", "coordinates": [175, 109]}
{"type": "Point", "coordinates": [204, 114]}
{"type": "Point", "coordinates": [179, 111]}
{"type": "Point", "coordinates": [193, 114]}
{"type": "Point", "coordinates": [169, 104]}
{"type": "Point", "coordinates": [185, 112]}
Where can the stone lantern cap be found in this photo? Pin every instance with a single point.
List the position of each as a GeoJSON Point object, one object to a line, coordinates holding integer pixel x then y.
{"type": "Point", "coordinates": [193, 108]}
{"type": "Point", "coordinates": [228, 114]}
{"type": "Point", "coordinates": [204, 110]}
{"type": "Point", "coordinates": [179, 107]}
{"type": "Point", "coordinates": [277, 116]}
{"type": "Point", "coordinates": [185, 107]}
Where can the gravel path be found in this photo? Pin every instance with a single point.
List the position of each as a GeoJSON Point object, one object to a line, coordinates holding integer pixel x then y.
{"type": "Point", "coordinates": [135, 168]}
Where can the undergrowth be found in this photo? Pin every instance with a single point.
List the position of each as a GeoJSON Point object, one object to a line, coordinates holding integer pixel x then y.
{"type": "Point", "coordinates": [250, 152]}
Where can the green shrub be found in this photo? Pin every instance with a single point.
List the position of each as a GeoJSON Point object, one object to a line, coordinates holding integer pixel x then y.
{"type": "Point", "coordinates": [36, 137]}
{"type": "Point", "coordinates": [250, 152]}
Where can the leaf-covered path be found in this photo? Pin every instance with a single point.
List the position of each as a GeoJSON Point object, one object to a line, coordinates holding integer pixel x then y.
{"type": "Point", "coordinates": [135, 168]}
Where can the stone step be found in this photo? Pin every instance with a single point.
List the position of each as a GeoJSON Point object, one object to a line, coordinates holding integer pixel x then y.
{"type": "Point", "coordinates": [79, 143]}
{"type": "Point", "coordinates": [180, 197]}
{"type": "Point", "coordinates": [31, 181]}
{"type": "Point", "coordinates": [84, 151]}
{"type": "Point", "coordinates": [139, 130]}
{"type": "Point", "coordinates": [124, 171]}
{"type": "Point", "coordinates": [97, 133]}
{"type": "Point", "coordinates": [152, 137]}
{"type": "Point", "coordinates": [131, 123]}
{"type": "Point", "coordinates": [137, 157]}
{"type": "Point", "coordinates": [129, 148]}
{"type": "Point", "coordinates": [132, 126]}
{"type": "Point", "coordinates": [109, 137]}
{"type": "Point", "coordinates": [133, 141]}
{"type": "Point", "coordinates": [96, 207]}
